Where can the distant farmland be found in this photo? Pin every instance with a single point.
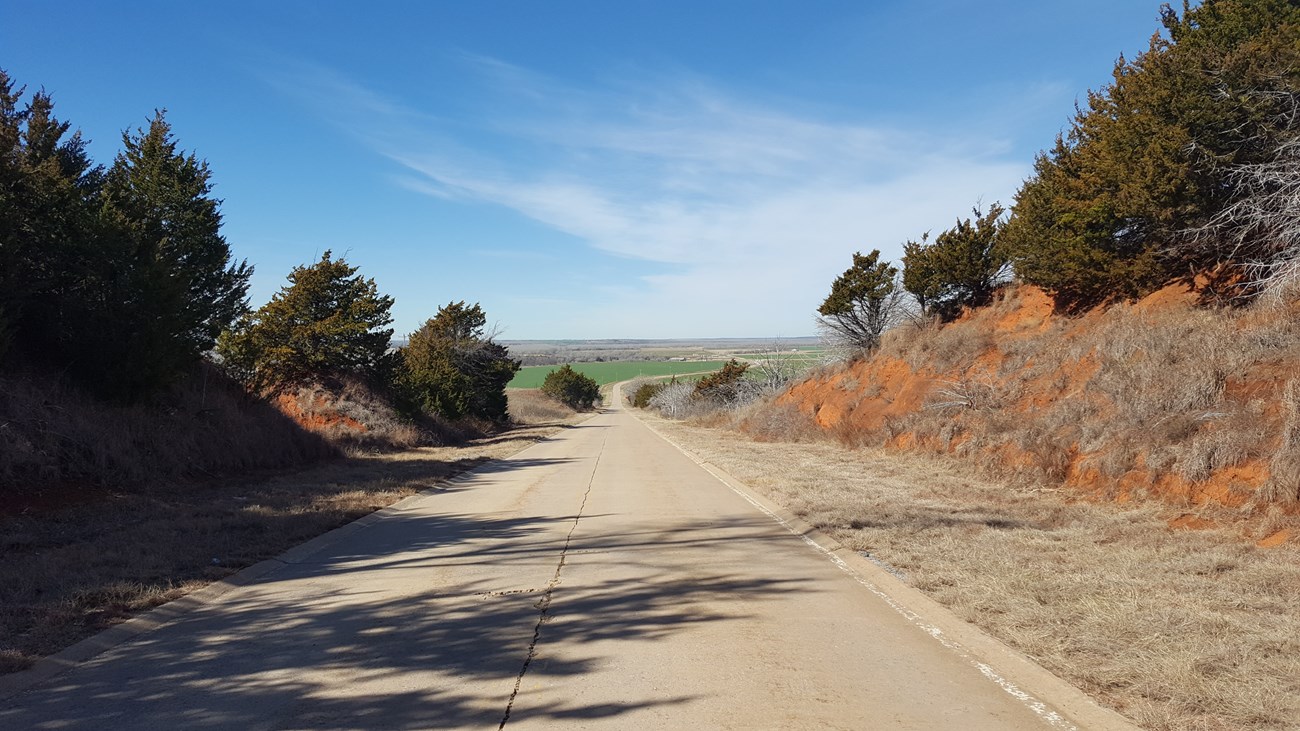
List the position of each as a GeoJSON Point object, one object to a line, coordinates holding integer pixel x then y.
{"type": "Point", "coordinates": [602, 373]}
{"type": "Point", "coordinates": [802, 357]}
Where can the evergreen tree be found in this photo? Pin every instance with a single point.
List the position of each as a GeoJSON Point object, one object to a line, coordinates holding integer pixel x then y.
{"type": "Point", "coordinates": [864, 301]}
{"type": "Point", "coordinates": [120, 279]}
{"type": "Point", "coordinates": [174, 284]}
{"type": "Point", "coordinates": [725, 386]}
{"type": "Point", "coordinates": [962, 267]}
{"type": "Point", "coordinates": [10, 132]}
{"type": "Point", "coordinates": [453, 368]}
{"type": "Point", "coordinates": [327, 322]}
{"type": "Point", "coordinates": [49, 257]}
{"type": "Point", "coordinates": [1148, 156]}
{"type": "Point", "coordinates": [571, 388]}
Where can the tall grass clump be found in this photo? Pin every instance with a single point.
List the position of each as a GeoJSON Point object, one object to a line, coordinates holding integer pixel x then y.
{"type": "Point", "coordinates": [1284, 468]}
{"type": "Point", "coordinates": [531, 406]}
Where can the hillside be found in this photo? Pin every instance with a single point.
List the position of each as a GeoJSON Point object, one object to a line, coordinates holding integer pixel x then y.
{"type": "Point", "coordinates": [1165, 398]}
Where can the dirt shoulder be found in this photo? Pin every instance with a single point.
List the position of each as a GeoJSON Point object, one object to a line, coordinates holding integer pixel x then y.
{"type": "Point", "coordinates": [73, 570]}
{"type": "Point", "coordinates": [1175, 629]}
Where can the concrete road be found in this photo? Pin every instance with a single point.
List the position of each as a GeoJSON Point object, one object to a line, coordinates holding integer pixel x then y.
{"type": "Point", "coordinates": [600, 579]}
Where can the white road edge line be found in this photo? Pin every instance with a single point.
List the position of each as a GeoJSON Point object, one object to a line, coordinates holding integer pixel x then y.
{"type": "Point", "coordinates": [1040, 709]}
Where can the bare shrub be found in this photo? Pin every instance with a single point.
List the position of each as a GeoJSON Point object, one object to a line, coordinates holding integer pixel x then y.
{"type": "Point", "coordinates": [1261, 228]}
{"type": "Point", "coordinates": [772, 369]}
{"type": "Point", "coordinates": [968, 393]}
{"type": "Point", "coordinates": [677, 401]}
{"type": "Point", "coordinates": [835, 353]}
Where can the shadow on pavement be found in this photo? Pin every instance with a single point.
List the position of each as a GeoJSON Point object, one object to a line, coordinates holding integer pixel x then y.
{"type": "Point", "coordinates": [444, 657]}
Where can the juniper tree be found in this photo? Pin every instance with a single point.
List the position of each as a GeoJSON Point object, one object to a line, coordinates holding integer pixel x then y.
{"type": "Point", "coordinates": [863, 302]}
{"type": "Point", "coordinates": [453, 367]}
{"type": "Point", "coordinates": [174, 285]}
{"type": "Point", "coordinates": [571, 388]}
{"type": "Point", "coordinates": [49, 237]}
{"type": "Point", "coordinates": [1149, 154]}
{"type": "Point", "coordinates": [327, 323]}
{"type": "Point", "coordinates": [725, 385]}
{"type": "Point", "coordinates": [962, 267]}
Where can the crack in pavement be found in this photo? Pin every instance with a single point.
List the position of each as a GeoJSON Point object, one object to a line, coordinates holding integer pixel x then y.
{"type": "Point", "coordinates": [544, 604]}
{"type": "Point", "coordinates": [508, 592]}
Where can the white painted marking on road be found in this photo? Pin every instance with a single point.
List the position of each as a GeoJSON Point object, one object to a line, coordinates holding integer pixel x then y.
{"type": "Point", "coordinates": [1040, 709]}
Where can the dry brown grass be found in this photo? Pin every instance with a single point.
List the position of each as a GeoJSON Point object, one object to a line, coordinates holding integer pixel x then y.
{"type": "Point", "coordinates": [1175, 629]}
{"type": "Point", "coordinates": [531, 406]}
{"type": "Point", "coordinates": [83, 561]}
{"type": "Point", "coordinates": [1285, 466]}
{"type": "Point", "coordinates": [54, 435]}
{"type": "Point", "coordinates": [357, 419]}
{"type": "Point", "coordinates": [1113, 402]}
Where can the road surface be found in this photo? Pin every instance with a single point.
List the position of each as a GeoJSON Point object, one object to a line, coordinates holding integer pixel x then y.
{"type": "Point", "coordinates": [599, 579]}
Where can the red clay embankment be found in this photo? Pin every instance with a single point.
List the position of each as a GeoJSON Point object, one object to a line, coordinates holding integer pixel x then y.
{"type": "Point", "coordinates": [1161, 399]}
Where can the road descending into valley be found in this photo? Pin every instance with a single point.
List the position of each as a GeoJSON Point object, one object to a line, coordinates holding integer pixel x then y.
{"type": "Point", "coordinates": [598, 579]}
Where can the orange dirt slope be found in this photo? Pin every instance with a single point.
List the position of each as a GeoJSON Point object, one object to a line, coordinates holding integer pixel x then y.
{"type": "Point", "coordinates": [1159, 399]}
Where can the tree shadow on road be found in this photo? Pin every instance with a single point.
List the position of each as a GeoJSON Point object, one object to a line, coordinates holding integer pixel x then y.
{"type": "Point", "coordinates": [369, 655]}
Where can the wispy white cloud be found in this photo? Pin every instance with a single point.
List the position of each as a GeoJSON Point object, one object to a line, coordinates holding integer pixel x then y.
{"type": "Point", "coordinates": [742, 200]}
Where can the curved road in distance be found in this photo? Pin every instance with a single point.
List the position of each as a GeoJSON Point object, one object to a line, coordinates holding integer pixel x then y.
{"type": "Point", "coordinates": [598, 579]}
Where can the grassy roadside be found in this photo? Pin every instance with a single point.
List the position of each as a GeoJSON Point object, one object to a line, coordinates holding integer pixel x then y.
{"type": "Point", "coordinates": [1176, 629]}
{"type": "Point", "coordinates": [71, 571]}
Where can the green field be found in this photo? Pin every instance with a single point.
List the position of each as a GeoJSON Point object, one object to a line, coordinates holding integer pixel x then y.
{"type": "Point", "coordinates": [613, 372]}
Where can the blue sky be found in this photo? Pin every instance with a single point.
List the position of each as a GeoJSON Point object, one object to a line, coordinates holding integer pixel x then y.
{"type": "Point", "coordinates": [596, 169]}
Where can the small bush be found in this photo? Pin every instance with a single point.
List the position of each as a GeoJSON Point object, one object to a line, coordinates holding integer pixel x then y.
{"type": "Point", "coordinates": [571, 388]}
{"type": "Point", "coordinates": [864, 302]}
{"type": "Point", "coordinates": [724, 386]}
{"type": "Point", "coordinates": [647, 391]}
